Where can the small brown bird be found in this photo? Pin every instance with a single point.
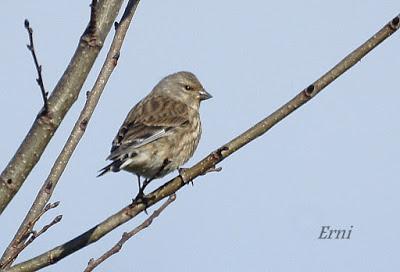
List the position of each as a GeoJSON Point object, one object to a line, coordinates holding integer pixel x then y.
{"type": "Point", "coordinates": [162, 131]}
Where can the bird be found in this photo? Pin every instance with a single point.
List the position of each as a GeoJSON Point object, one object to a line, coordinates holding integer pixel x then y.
{"type": "Point", "coordinates": [161, 132]}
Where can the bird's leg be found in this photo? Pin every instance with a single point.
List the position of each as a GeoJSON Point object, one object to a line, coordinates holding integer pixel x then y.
{"type": "Point", "coordinates": [140, 195]}
{"type": "Point", "coordinates": [144, 185]}
{"type": "Point", "coordinates": [141, 188]}
{"type": "Point", "coordinates": [138, 180]}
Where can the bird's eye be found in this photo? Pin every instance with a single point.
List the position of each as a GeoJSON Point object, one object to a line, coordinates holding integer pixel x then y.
{"type": "Point", "coordinates": [188, 88]}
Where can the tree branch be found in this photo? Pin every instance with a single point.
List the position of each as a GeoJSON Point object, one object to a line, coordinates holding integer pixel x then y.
{"type": "Point", "coordinates": [94, 234]}
{"type": "Point", "coordinates": [39, 79]}
{"type": "Point", "coordinates": [35, 234]}
{"type": "Point", "coordinates": [21, 242]}
{"type": "Point", "coordinates": [79, 129]}
{"type": "Point", "coordinates": [93, 17]}
{"type": "Point", "coordinates": [60, 101]}
{"type": "Point", "coordinates": [127, 235]}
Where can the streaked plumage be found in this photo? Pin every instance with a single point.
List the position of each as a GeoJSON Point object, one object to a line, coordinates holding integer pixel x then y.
{"type": "Point", "coordinates": [162, 131]}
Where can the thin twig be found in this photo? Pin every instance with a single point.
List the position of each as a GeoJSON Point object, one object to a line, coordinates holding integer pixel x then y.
{"type": "Point", "coordinates": [61, 99]}
{"type": "Point", "coordinates": [127, 213]}
{"type": "Point", "coordinates": [127, 235]}
{"type": "Point", "coordinates": [78, 131]}
{"type": "Point", "coordinates": [36, 234]}
{"type": "Point", "coordinates": [29, 226]}
{"type": "Point", "coordinates": [48, 207]}
{"type": "Point", "coordinates": [22, 241]}
{"type": "Point", "coordinates": [39, 79]}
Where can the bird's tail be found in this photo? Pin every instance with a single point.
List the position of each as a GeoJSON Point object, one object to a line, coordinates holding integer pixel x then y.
{"type": "Point", "coordinates": [114, 167]}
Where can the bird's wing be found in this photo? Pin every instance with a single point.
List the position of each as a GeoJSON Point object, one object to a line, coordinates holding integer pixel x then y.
{"type": "Point", "coordinates": [149, 120]}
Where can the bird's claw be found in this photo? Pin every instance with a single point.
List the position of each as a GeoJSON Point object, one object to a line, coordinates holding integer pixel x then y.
{"type": "Point", "coordinates": [212, 169]}
{"type": "Point", "coordinates": [185, 179]}
{"type": "Point", "coordinates": [140, 199]}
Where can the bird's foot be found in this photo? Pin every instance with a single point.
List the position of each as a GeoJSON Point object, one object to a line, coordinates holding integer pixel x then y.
{"type": "Point", "coordinates": [141, 187]}
{"type": "Point", "coordinates": [185, 179]}
{"type": "Point", "coordinates": [212, 169]}
{"type": "Point", "coordinates": [140, 199]}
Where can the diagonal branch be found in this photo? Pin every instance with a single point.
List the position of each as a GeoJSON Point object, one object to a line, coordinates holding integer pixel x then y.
{"type": "Point", "coordinates": [93, 17]}
{"type": "Point", "coordinates": [97, 232]}
{"type": "Point", "coordinates": [60, 101]}
{"type": "Point", "coordinates": [79, 129]}
{"type": "Point", "coordinates": [39, 79]}
{"type": "Point", "coordinates": [21, 242]}
{"type": "Point", "coordinates": [127, 235]}
{"type": "Point", "coordinates": [33, 235]}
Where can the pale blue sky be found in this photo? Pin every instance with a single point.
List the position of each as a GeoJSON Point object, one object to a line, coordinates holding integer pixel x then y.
{"type": "Point", "coordinates": [333, 162]}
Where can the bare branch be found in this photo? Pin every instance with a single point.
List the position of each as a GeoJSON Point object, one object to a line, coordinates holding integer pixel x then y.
{"type": "Point", "coordinates": [93, 16]}
{"type": "Point", "coordinates": [185, 178]}
{"type": "Point", "coordinates": [29, 226]}
{"type": "Point", "coordinates": [59, 102]}
{"type": "Point", "coordinates": [94, 234]}
{"type": "Point", "coordinates": [127, 235]}
{"type": "Point", "coordinates": [22, 241]}
{"type": "Point", "coordinates": [43, 230]}
{"type": "Point", "coordinates": [91, 34]}
{"type": "Point", "coordinates": [80, 126]}
{"type": "Point", "coordinates": [39, 79]}
{"type": "Point", "coordinates": [36, 234]}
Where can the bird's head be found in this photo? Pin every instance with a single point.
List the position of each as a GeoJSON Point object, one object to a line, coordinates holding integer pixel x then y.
{"type": "Point", "coordinates": [184, 87]}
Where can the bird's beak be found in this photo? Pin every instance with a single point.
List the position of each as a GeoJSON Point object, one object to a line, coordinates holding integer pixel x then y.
{"type": "Point", "coordinates": [204, 95]}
